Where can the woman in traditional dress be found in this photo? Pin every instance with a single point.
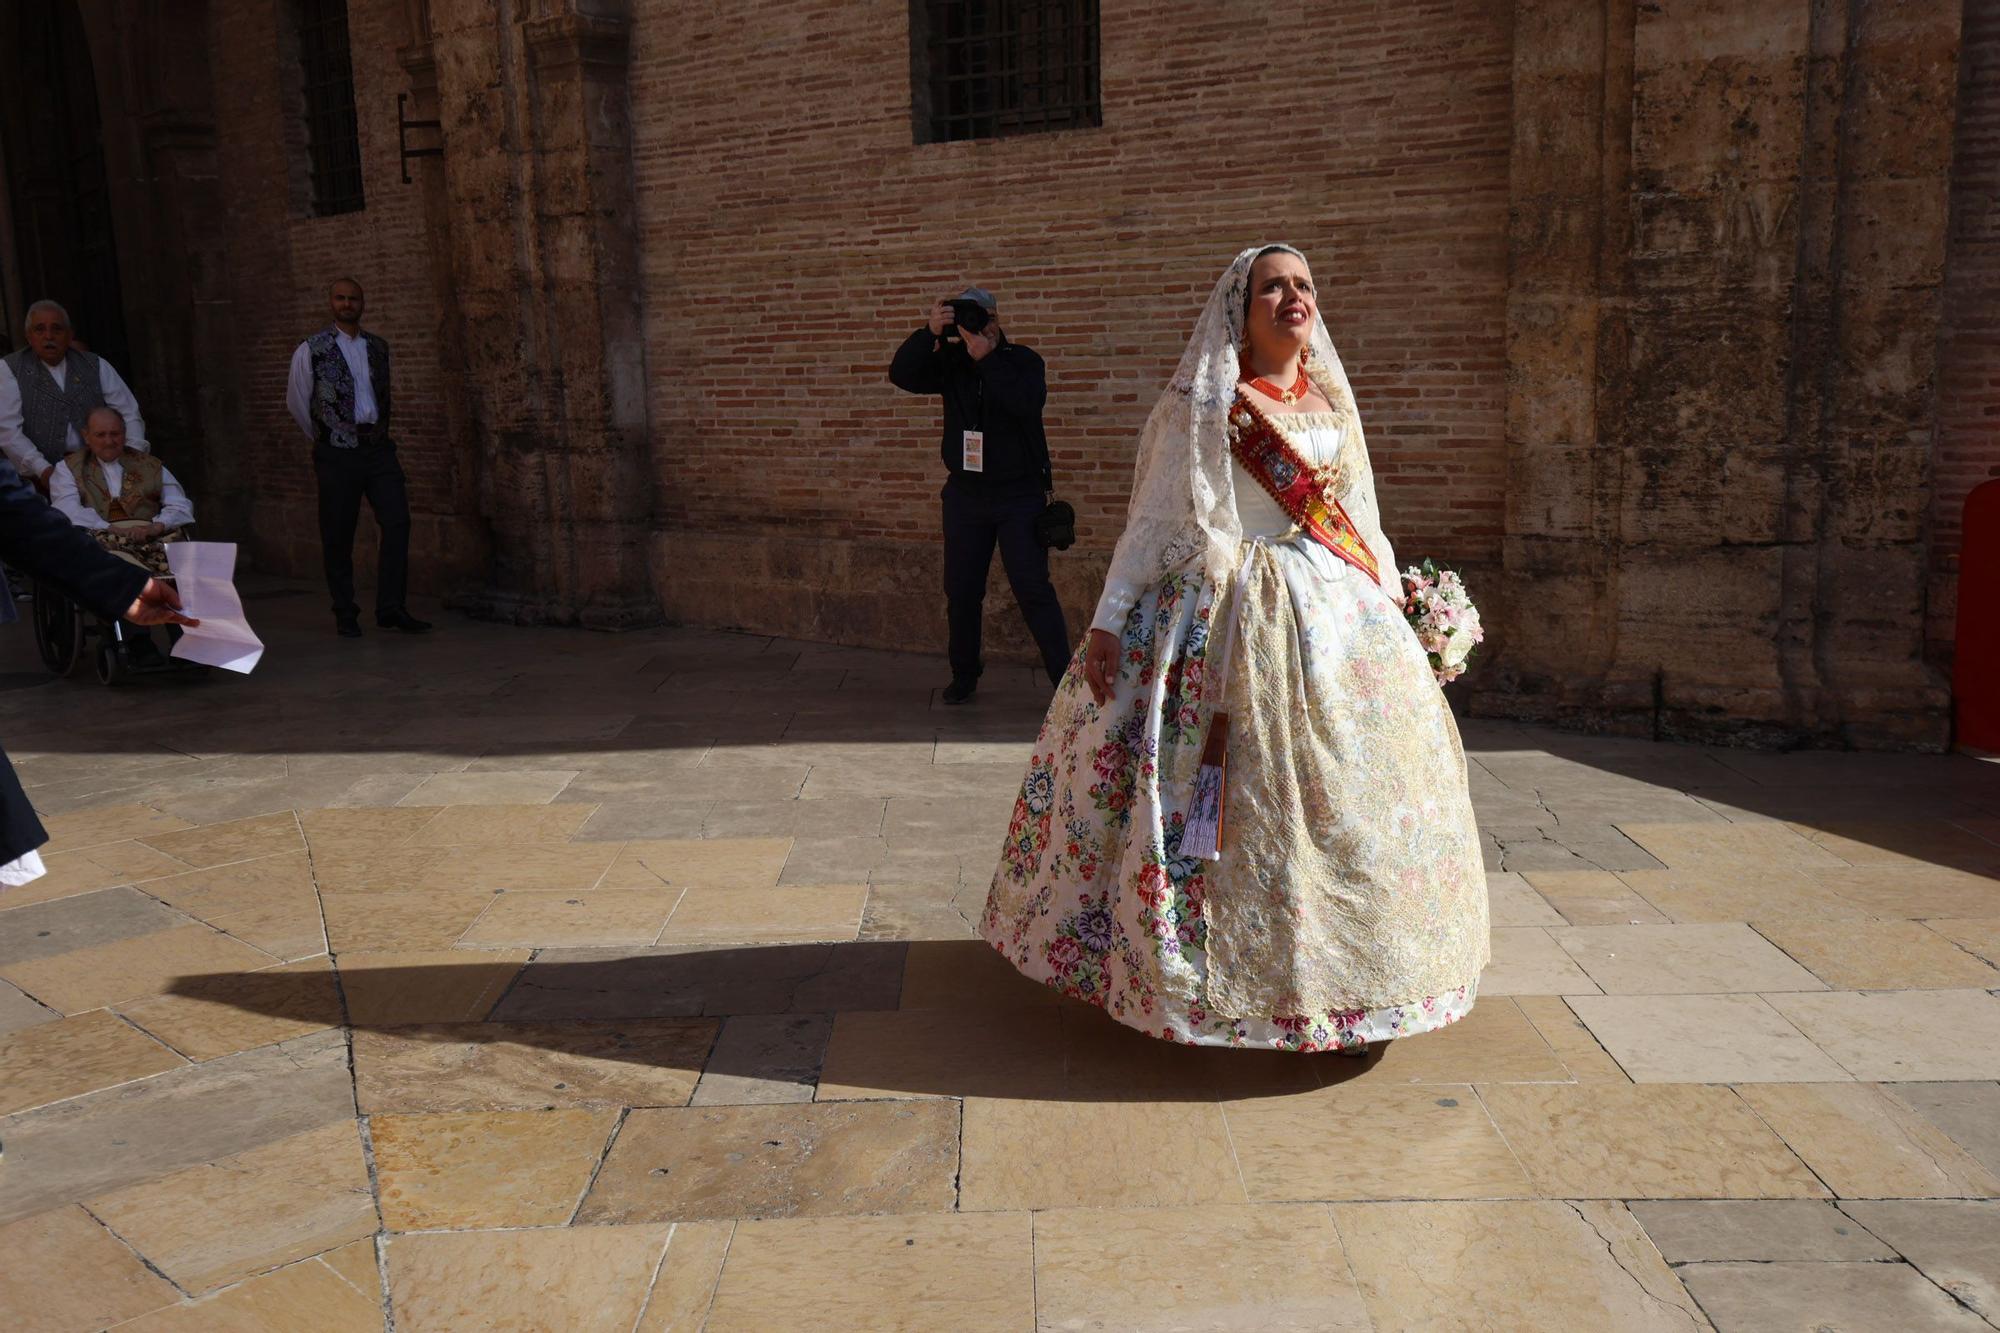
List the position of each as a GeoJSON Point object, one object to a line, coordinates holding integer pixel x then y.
{"type": "Point", "coordinates": [1246, 820]}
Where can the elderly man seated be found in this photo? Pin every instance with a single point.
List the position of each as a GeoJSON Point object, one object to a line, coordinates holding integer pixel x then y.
{"type": "Point", "coordinates": [128, 501]}
{"type": "Point", "coordinates": [127, 498]}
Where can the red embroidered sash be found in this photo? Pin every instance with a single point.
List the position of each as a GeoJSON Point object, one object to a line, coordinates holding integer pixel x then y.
{"type": "Point", "coordinates": [1303, 492]}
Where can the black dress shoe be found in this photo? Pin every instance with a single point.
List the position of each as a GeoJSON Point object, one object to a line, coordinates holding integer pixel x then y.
{"type": "Point", "coordinates": [960, 690]}
{"type": "Point", "coordinates": [347, 627]}
{"type": "Point", "coordinates": [402, 620]}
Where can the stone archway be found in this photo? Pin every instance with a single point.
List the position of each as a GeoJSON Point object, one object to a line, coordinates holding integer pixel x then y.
{"type": "Point", "coordinates": [57, 194]}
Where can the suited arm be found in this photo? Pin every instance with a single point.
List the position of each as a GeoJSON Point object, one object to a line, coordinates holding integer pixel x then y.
{"type": "Point", "coordinates": [38, 540]}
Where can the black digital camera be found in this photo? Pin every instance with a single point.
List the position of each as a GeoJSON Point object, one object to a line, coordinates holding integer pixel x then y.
{"type": "Point", "coordinates": [968, 315]}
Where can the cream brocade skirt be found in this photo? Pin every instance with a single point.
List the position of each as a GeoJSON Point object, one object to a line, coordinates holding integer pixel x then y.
{"type": "Point", "coordinates": [1349, 901]}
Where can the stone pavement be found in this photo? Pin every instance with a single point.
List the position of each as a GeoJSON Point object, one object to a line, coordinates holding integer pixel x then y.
{"type": "Point", "coordinates": [523, 978]}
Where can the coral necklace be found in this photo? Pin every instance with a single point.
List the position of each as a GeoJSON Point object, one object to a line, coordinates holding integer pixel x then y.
{"type": "Point", "coordinates": [1299, 389]}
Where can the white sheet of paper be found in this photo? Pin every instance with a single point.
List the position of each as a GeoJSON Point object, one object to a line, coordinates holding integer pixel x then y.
{"type": "Point", "coordinates": [205, 575]}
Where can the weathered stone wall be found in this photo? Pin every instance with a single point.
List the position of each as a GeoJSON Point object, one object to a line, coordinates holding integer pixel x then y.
{"type": "Point", "coordinates": [1968, 444]}
{"type": "Point", "coordinates": [1728, 253]}
{"type": "Point", "coordinates": [535, 196]}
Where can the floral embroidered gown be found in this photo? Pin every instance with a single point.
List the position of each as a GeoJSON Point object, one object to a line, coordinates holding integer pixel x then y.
{"type": "Point", "coordinates": [1348, 904]}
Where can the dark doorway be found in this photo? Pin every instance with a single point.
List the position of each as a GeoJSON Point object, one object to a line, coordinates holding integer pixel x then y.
{"type": "Point", "coordinates": [52, 133]}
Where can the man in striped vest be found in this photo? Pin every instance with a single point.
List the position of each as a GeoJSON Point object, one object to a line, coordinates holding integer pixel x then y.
{"type": "Point", "coordinates": [49, 388]}
{"type": "Point", "coordinates": [339, 394]}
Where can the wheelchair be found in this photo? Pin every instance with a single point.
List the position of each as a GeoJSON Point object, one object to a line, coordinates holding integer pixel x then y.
{"type": "Point", "coordinates": [66, 636]}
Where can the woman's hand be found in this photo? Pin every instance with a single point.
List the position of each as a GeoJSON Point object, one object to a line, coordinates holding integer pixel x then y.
{"type": "Point", "coordinates": [1100, 664]}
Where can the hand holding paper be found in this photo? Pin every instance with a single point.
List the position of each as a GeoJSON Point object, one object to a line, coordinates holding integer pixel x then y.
{"type": "Point", "coordinates": [218, 634]}
{"type": "Point", "coordinates": [157, 604]}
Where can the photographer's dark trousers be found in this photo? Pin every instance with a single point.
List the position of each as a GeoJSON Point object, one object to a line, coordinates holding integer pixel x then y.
{"type": "Point", "coordinates": [976, 519]}
{"type": "Point", "coordinates": [346, 476]}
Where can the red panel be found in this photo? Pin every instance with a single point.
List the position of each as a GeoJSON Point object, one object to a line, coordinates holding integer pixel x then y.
{"type": "Point", "coordinates": [1975, 677]}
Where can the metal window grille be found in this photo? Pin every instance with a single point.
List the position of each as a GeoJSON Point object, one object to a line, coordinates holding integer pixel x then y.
{"type": "Point", "coordinates": [333, 135]}
{"type": "Point", "coordinates": [986, 68]}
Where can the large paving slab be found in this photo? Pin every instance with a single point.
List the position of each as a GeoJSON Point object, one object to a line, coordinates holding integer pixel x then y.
{"type": "Point", "coordinates": [78, 1149]}
{"type": "Point", "coordinates": [528, 1066]}
{"type": "Point", "coordinates": [1510, 1265]}
{"type": "Point", "coordinates": [806, 1160]}
{"type": "Point", "coordinates": [1757, 1231]}
{"type": "Point", "coordinates": [215, 1224]}
{"type": "Point", "coordinates": [1955, 1244]}
{"type": "Point", "coordinates": [1279, 1267]}
{"type": "Point", "coordinates": [1824, 1295]}
{"type": "Point", "coordinates": [1703, 1038]}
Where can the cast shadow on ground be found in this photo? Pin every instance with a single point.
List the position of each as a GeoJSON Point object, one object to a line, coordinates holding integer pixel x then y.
{"type": "Point", "coordinates": [667, 706]}
{"type": "Point", "coordinates": [839, 1015]}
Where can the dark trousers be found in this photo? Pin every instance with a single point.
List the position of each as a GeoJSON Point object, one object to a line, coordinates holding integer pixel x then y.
{"type": "Point", "coordinates": [345, 476]}
{"type": "Point", "coordinates": [975, 521]}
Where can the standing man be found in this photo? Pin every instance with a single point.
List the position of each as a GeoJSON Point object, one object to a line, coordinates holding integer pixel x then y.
{"type": "Point", "coordinates": [48, 389]}
{"type": "Point", "coordinates": [998, 458]}
{"type": "Point", "coordinates": [339, 395]}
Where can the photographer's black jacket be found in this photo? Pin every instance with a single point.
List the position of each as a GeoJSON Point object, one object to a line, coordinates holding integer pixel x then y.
{"type": "Point", "coordinates": [1001, 396]}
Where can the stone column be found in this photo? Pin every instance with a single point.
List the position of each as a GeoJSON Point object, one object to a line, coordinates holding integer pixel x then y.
{"type": "Point", "coordinates": [544, 256]}
{"type": "Point", "coordinates": [419, 62]}
{"type": "Point", "coordinates": [156, 97]}
{"type": "Point", "coordinates": [1722, 363]}
{"type": "Point", "coordinates": [1883, 131]}
{"type": "Point", "coordinates": [1565, 338]}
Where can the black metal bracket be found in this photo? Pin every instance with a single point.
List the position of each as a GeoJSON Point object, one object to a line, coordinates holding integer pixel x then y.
{"type": "Point", "coordinates": [403, 127]}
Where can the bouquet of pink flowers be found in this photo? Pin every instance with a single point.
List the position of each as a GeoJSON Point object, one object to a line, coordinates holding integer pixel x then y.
{"type": "Point", "coordinates": [1443, 616]}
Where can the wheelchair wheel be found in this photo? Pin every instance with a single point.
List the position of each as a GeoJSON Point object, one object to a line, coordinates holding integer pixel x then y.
{"type": "Point", "coordinates": [110, 666]}
{"type": "Point", "coordinates": [59, 630]}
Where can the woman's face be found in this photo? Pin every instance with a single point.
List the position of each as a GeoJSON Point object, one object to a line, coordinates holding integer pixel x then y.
{"type": "Point", "coordinates": [1282, 303]}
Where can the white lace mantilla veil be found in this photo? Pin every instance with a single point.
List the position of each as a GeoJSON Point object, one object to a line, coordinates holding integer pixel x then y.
{"type": "Point", "coordinates": [1183, 509]}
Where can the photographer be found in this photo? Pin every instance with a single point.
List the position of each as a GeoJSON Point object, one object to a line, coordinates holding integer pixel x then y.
{"type": "Point", "coordinates": [998, 457]}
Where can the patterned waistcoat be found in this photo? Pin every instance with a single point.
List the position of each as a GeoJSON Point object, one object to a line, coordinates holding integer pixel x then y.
{"type": "Point", "coordinates": [140, 493]}
{"type": "Point", "coordinates": [47, 412]}
{"type": "Point", "coordinates": [333, 386]}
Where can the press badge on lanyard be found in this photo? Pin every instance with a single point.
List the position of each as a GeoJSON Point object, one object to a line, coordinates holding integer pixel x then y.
{"type": "Point", "coordinates": [974, 458]}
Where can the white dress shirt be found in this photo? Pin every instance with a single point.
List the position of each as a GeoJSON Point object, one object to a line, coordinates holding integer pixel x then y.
{"type": "Point", "coordinates": [21, 450]}
{"type": "Point", "coordinates": [176, 510]}
{"type": "Point", "coordinates": [299, 387]}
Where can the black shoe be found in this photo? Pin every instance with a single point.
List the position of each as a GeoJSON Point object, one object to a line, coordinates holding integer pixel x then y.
{"type": "Point", "coordinates": [402, 620]}
{"type": "Point", "coordinates": [347, 627]}
{"type": "Point", "coordinates": [960, 690]}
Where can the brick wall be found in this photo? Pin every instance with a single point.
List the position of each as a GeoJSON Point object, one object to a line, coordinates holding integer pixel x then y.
{"type": "Point", "coordinates": [1968, 436]}
{"type": "Point", "coordinates": [793, 234]}
{"type": "Point", "coordinates": [284, 258]}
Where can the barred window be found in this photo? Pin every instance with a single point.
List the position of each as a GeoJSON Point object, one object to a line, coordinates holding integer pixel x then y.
{"type": "Point", "coordinates": [980, 69]}
{"type": "Point", "coordinates": [333, 137]}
